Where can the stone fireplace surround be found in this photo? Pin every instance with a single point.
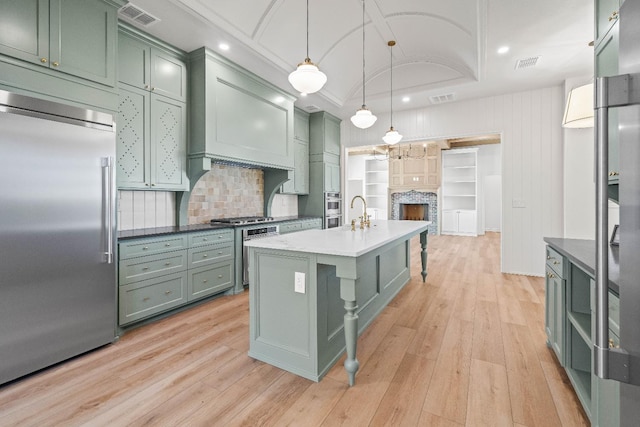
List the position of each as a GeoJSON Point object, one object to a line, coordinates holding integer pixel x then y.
{"type": "Point", "coordinates": [416, 197]}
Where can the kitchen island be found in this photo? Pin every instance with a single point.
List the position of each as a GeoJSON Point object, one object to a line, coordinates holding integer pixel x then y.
{"type": "Point", "coordinates": [301, 282]}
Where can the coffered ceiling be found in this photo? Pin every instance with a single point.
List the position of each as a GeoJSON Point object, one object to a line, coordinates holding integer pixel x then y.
{"type": "Point", "coordinates": [446, 49]}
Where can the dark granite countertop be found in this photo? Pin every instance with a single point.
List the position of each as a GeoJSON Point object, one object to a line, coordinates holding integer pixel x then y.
{"type": "Point", "coordinates": [160, 231]}
{"type": "Point", "coordinates": [583, 254]}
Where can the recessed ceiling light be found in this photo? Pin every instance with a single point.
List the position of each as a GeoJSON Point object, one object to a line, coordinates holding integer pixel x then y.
{"type": "Point", "coordinates": [223, 46]}
{"type": "Point", "coordinates": [406, 99]}
{"type": "Point", "coordinates": [503, 49]}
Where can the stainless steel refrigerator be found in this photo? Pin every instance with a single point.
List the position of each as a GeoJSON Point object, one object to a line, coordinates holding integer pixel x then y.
{"type": "Point", "coordinates": [57, 275]}
{"type": "Point", "coordinates": [623, 93]}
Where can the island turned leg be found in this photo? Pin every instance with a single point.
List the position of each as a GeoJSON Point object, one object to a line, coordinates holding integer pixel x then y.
{"type": "Point", "coordinates": [423, 245]}
{"type": "Point", "coordinates": [348, 294]}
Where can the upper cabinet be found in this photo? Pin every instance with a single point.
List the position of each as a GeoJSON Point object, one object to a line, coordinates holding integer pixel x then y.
{"type": "Point", "coordinates": [152, 115]}
{"type": "Point", "coordinates": [150, 68]}
{"type": "Point", "coordinates": [324, 136]}
{"type": "Point", "coordinates": [299, 177]}
{"type": "Point", "coordinates": [606, 65]}
{"type": "Point", "coordinates": [64, 49]}
{"type": "Point", "coordinates": [237, 116]}
{"type": "Point", "coordinates": [76, 37]}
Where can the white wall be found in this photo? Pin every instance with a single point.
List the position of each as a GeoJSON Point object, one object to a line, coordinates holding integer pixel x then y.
{"type": "Point", "coordinates": [579, 184]}
{"type": "Point", "coordinates": [532, 160]}
{"type": "Point", "coordinates": [354, 186]}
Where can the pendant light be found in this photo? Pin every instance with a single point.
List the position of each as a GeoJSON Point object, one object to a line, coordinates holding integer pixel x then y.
{"type": "Point", "coordinates": [392, 136]}
{"type": "Point", "coordinates": [363, 118]}
{"type": "Point", "coordinates": [307, 78]}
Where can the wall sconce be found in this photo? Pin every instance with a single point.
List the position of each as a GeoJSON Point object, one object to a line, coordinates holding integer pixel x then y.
{"type": "Point", "coordinates": [578, 112]}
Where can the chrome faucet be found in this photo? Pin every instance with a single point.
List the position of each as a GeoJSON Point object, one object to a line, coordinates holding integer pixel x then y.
{"type": "Point", "coordinates": [364, 219]}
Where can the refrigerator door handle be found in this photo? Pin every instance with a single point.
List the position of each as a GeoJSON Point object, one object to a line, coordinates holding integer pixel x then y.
{"type": "Point", "coordinates": [107, 192]}
{"type": "Point", "coordinates": [615, 364]}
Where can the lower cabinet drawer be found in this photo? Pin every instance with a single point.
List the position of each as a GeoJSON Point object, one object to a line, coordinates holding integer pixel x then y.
{"type": "Point", "coordinates": [148, 297]}
{"type": "Point", "coordinates": [208, 255]}
{"type": "Point", "coordinates": [211, 279]}
{"type": "Point", "coordinates": [146, 267]}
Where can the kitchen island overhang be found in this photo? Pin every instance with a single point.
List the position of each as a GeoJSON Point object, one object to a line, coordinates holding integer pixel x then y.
{"type": "Point", "coordinates": [313, 292]}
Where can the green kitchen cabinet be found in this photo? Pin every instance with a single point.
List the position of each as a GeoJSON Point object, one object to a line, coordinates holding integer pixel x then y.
{"type": "Point", "coordinates": [299, 177]}
{"type": "Point", "coordinates": [324, 135]}
{"type": "Point", "coordinates": [158, 274]}
{"type": "Point", "coordinates": [300, 225]}
{"type": "Point", "coordinates": [76, 37]}
{"type": "Point", "coordinates": [606, 16]}
{"type": "Point", "coordinates": [606, 64]}
{"type": "Point", "coordinates": [151, 141]}
{"type": "Point", "coordinates": [156, 68]}
{"type": "Point", "coordinates": [570, 325]}
{"type": "Point", "coordinates": [332, 177]}
{"type": "Point", "coordinates": [152, 114]}
{"type": "Point", "coordinates": [555, 316]}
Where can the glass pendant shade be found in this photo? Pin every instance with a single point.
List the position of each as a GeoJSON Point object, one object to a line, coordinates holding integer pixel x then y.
{"type": "Point", "coordinates": [363, 118]}
{"type": "Point", "coordinates": [392, 136]}
{"type": "Point", "coordinates": [307, 78]}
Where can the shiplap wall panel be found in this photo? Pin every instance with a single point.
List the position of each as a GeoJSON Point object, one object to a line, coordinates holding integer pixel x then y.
{"type": "Point", "coordinates": [532, 160]}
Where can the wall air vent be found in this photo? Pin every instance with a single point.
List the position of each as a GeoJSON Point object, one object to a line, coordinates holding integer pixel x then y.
{"type": "Point", "coordinates": [137, 15]}
{"type": "Point", "coordinates": [311, 108]}
{"type": "Point", "coordinates": [527, 62]}
{"type": "Point", "coordinates": [441, 99]}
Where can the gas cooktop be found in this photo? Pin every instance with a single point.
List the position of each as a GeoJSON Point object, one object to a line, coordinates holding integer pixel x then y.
{"type": "Point", "coordinates": [242, 220]}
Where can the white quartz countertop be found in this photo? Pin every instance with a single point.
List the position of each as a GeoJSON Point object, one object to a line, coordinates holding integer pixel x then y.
{"type": "Point", "coordinates": [342, 241]}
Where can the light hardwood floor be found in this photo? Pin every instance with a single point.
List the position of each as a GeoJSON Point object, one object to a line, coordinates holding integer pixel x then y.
{"type": "Point", "coordinates": [466, 348]}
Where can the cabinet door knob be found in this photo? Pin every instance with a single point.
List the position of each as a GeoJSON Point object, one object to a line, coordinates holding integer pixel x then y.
{"type": "Point", "coordinates": [613, 16]}
{"type": "Point", "coordinates": [205, 256]}
{"type": "Point", "coordinates": [204, 281]}
{"type": "Point", "coordinates": [556, 262]}
{"type": "Point", "coordinates": [55, 64]}
{"type": "Point", "coordinates": [167, 292]}
{"type": "Point", "coordinates": [43, 60]}
{"type": "Point", "coordinates": [548, 256]}
{"type": "Point", "coordinates": [219, 276]}
{"type": "Point", "coordinates": [146, 86]}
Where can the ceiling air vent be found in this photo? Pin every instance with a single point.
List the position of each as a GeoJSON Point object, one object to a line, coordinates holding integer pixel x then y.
{"type": "Point", "coordinates": [527, 62]}
{"type": "Point", "coordinates": [440, 99]}
{"type": "Point", "coordinates": [135, 14]}
{"type": "Point", "coordinates": [311, 108]}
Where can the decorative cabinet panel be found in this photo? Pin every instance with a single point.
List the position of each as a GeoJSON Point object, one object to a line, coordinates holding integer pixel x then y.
{"type": "Point", "coordinates": [324, 135]}
{"type": "Point", "coordinates": [151, 141]}
{"type": "Point", "coordinates": [152, 119]}
{"type": "Point", "coordinates": [237, 116]}
{"type": "Point", "coordinates": [414, 166]}
{"type": "Point", "coordinates": [332, 177]}
{"type": "Point", "coordinates": [76, 37]}
{"type": "Point", "coordinates": [150, 68]}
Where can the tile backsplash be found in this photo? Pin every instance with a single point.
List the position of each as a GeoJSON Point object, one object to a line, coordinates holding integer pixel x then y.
{"type": "Point", "coordinates": [226, 192]}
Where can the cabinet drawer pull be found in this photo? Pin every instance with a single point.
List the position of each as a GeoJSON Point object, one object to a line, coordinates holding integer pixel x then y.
{"type": "Point", "coordinates": [167, 244]}
{"type": "Point", "coordinates": [145, 248]}
{"type": "Point", "coordinates": [204, 281]}
{"type": "Point", "coordinates": [205, 256]}
{"type": "Point", "coordinates": [204, 239]}
{"type": "Point", "coordinates": [145, 268]}
{"type": "Point", "coordinates": [145, 299]}
{"type": "Point", "coordinates": [167, 263]}
{"type": "Point", "coordinates": [551, 275]}
{"type": "Point", "coordinates": [220, 253]}
{"type": "Point", "coordinates": [43, 60]}
{"type": "Point", "coordinates": [168, 292]}
{"type": "Point", "coordinates": [219, 276]}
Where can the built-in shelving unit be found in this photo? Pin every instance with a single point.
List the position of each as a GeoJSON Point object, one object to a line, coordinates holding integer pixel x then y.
{"type": "Point", "coordinates": [459, 191]}
{"type": "Point", "coordinates": [376, 184]}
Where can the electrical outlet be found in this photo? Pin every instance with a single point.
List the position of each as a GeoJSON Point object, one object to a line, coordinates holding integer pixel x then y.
{"type": "Point", "coordinates": [299, 285]}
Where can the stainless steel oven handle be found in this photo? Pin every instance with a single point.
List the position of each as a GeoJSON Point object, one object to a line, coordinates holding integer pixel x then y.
{"type": "Point", "coordinates": [601, 344]}
{"type": "Point", "coordinates": [107, 192]}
